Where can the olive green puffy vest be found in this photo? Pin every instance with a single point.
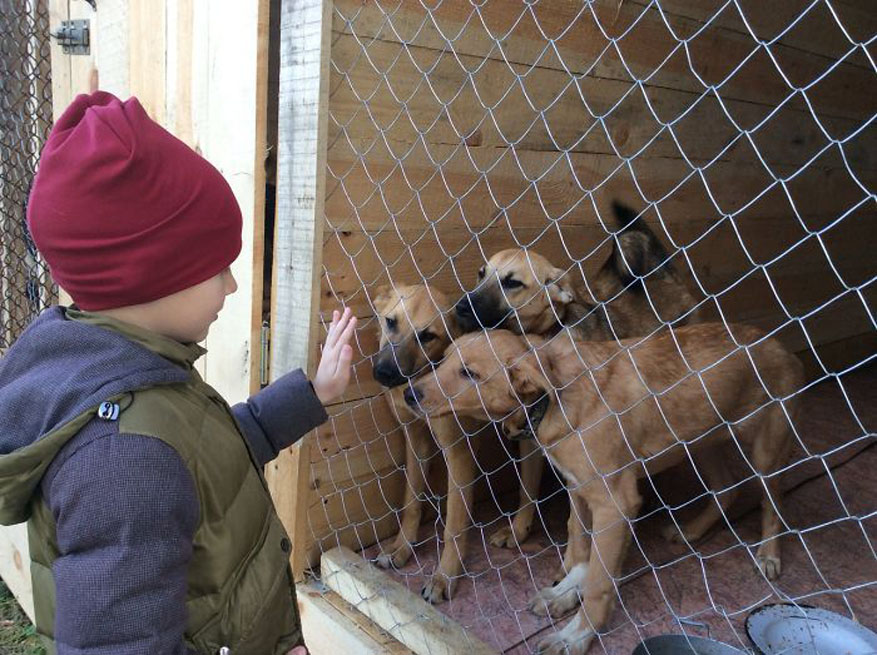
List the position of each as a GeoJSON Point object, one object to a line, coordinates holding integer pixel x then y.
{"type": "Point", "coordinates": [240, 590]}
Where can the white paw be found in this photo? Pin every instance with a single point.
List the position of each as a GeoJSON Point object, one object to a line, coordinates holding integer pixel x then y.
{"type": "Point", "coordinates": [573, 639]}
{"type": "Point", "coordinates": [671, 533]}
{"type": "Point", "coordinates": [561, 598]}
{"type": "Point", "coordinates": [396, 559]}
{"type": "Point", "coordinates": [506, 537]}
{"type": "Point", "coordinates": [437, 590]}
{"type": "Point", "coordinates": [770, 565]}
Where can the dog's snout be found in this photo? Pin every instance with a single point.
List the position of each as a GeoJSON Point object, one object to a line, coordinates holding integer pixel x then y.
{"type": "Point", "coordinates": [413, 395]}
{"type": "Point", "coordinates": [464, 307]}
{"type": "Point", "coordinates": [386, 372]}
{"type": "Point", "coordinates": [383, 370]}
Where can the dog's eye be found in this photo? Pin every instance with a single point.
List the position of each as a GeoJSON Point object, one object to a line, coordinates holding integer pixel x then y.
{"type": "Point", "coordinates": [391, 324]}
{"type": "Point", "coordinates": [510, 283]}
{"type": "Point", "coordinates": [426, 336]}
{"type": "Point", "coordinates": [481, 272]}
{"type": "Point", "coordinates": [469, 373]}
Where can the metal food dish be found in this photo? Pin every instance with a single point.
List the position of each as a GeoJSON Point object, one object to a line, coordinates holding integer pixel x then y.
{"type": "Point", "coordinates": [684, 645]}
{"type": "Point", "coordinates": [785, 629]}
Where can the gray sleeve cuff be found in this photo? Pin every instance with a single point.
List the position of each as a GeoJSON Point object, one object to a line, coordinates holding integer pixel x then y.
{"type": "Point", "coordinates": [280, 414]}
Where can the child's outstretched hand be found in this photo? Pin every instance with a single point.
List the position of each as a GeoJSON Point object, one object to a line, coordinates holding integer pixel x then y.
{"type": "Point", "coordinates": [333, 371]}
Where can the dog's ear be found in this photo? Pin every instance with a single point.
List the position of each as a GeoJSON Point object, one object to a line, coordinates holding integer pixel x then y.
{"type": "Point", "coordinates": [527, 377]}
{"type": "Point", "coordinates": [380, 296]}
{"type": "Point", "coordinates": [637, 250]}
{"type": "Point", "coordinates": [559, 287]}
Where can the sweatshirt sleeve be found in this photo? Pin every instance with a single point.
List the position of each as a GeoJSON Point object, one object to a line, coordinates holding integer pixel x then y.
{"type": "Point", "coordinates": [126, 511]}
{"type": "Point", "coordinates": [279, 415]}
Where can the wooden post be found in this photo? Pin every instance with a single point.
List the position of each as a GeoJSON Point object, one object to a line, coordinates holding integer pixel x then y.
{"type": "Point", "coordinates": [302, 130]}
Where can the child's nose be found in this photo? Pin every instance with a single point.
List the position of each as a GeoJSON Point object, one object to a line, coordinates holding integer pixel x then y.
{"type": "Point", "coordinates": [231, 284]}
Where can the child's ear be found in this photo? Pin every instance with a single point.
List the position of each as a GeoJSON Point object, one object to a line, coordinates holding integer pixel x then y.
{"type": "Point", "coordinates": [559, 288]}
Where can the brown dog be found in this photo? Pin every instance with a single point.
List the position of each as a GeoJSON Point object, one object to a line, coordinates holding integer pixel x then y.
{"type": "Point", "coordinates": [639, 289]}
{"type": "Point", "coordinates": [417, 324]}
{"type": "Point", "coordinates": [634, 293]}
{"type": "Point", "coordinates": [617, 412]}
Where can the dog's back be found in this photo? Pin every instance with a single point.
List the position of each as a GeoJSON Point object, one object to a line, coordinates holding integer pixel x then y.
{"type": "Point", "coordinates": [699, 375]}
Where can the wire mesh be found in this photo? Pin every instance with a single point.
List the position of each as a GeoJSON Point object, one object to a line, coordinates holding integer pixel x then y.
{"type": "Point", "coordinates": [25, 118]}
{"type": "Point", "coordinates": [740, 134]}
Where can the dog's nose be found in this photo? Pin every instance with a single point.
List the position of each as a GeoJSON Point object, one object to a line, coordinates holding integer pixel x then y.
{"type": "Point", "coordinates": [383, 371]}
{"type": "Point", "coordinates": [412, 396]}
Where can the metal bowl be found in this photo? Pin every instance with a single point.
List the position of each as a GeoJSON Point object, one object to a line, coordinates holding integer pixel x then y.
{"type": "Point", "coordinates": [684, 645]}
{"type": "Point", "coordinates": [803, 630]}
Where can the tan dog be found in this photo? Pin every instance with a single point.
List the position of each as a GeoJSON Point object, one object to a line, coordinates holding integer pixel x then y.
{"type": "Point", "coordinates": [417, 324]}
{"type": "Point", "coordinates": [639, 287]}
{"type": "Point", "coordinates": [524, 292]}
{"type": "Point", "coordinates": [618, 412]}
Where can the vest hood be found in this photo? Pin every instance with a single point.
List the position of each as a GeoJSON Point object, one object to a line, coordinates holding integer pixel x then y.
{"type": "Point", "coordinates": [55, 377]}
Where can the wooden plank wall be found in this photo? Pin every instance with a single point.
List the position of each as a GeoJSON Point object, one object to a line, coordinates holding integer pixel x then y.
{"type": "Point", "coordinates": [457, 132]}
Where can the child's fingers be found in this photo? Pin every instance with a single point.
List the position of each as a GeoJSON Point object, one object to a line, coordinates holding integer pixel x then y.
{"type": "Point", "coordinates": [338, 322]}
{"type": "Point", "coordinates": [331, 330]}
{"type": "Point", "coordinates": [345, 335]}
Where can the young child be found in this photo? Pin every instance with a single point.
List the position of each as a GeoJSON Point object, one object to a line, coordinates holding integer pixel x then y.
{"type": "Point", "coordinates": [150, 525]}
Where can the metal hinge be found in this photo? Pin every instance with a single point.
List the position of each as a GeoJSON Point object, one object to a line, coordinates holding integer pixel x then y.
{"type": "Point", "coordinates": [74, 37]}
{"type": "Point", "coordinates": [265, 343]}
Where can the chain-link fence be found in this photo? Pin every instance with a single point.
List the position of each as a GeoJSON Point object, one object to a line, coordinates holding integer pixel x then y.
{"type": "Point", "coordinates": [630, 169]}
{"type": "Point", "coordinates": [25, 118]}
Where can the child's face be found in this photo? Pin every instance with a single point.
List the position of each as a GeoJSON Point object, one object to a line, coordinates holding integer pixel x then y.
{"type": "Point", "coordinates": [188, 314]}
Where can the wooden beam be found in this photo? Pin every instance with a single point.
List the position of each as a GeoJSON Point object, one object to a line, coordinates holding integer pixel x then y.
{"type": "Point", "coordinates": [302, 129]}
{"type": "Point", "coordinates": [181, 14]}
{"type": "Point", "coordinates": [227, 47]}
{"type": "Point", "coordinates": [15, 565]}
{"type": "Point", "coordinates": [260, 153]}
{"type": "Point", "coordinates": [331, 625]}
{"type": "Point", "coordinates": [59, 11]}
{"type": "Point", "coordinates": [147, 51]}
{"type": "Point", "coordinates": [403, 614]}
{"type": "Point", "coordinates": [110, 41]}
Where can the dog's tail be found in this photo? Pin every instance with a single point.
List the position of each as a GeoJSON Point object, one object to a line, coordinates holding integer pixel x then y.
{"type": "Point", "coordinates": [637, 251]}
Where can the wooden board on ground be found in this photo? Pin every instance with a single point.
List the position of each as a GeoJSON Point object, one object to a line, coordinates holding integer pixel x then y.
{"type": "Point", "coordinates": [406, 616]}
{"type": "Point", "coordinates": [331, 625]}
{"type": "Point", "coordinates": [15, 565]}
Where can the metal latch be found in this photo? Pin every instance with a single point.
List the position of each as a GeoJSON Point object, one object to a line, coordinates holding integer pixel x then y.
{"type": "Point", "coordinates": [265, 352]}
{"type": "Point", "coordinates": [73, 37]}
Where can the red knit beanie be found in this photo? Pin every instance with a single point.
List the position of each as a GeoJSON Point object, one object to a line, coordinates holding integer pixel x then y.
{"type": "Point", "coordinates": [124, 212]}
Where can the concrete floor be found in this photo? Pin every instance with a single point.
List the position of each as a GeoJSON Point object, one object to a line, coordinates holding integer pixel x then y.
{"type": "Point", "coordinates": [828, 556]}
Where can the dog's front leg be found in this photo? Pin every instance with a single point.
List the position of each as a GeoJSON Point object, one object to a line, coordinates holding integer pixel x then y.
{"type": "Point", "coordinates": [532, 465]}
{"type": "Point", "coordinates": [559, 598]}
{"type": "Point", "coordinates": [611, 508]}
{"type": "Point", "coordinates": [578, 530]}
{"type": "Point", "coordinates": [461, 477]}
{"type": "Point", "coordinates": [419, 448]}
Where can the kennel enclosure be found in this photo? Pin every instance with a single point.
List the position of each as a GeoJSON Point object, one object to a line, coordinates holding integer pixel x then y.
{"type": "Point", "coordinates": [403, 142]}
